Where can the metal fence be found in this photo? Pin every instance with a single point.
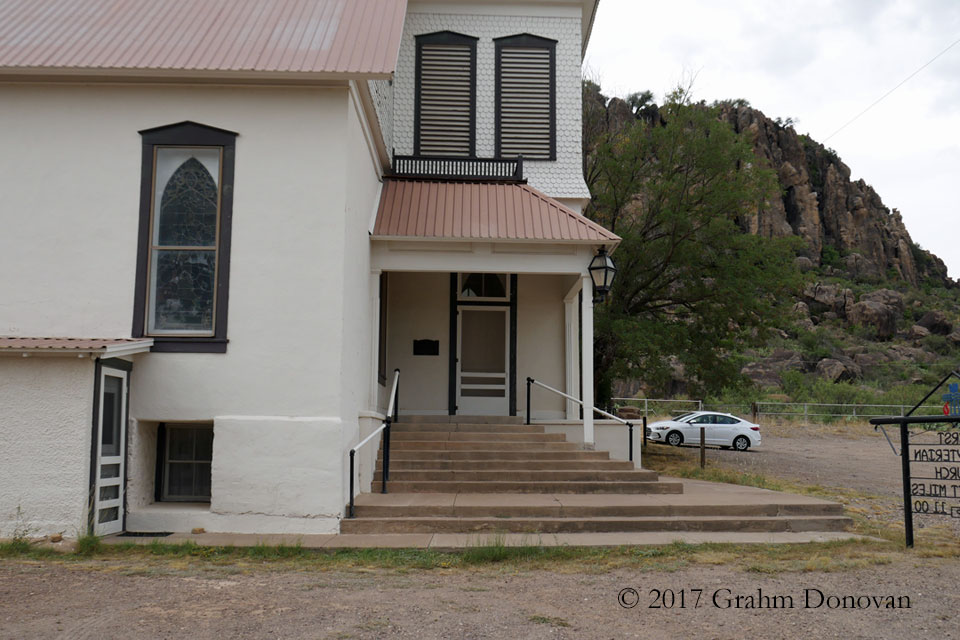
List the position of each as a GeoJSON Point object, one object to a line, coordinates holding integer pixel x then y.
{"type": "Point", "coordinates": [796, 410]}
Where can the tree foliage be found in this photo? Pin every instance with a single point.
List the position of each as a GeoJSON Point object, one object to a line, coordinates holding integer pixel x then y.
{"type": "Point", "coordinates": [692, 287]}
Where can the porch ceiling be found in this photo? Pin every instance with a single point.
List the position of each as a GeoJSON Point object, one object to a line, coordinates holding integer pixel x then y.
{"type": "Point", "coordinates": [419, 210]}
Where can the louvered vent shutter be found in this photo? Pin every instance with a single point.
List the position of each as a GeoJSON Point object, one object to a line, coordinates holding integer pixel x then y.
{"type": "Point", "coordinates": [526, 109]}
{"type": "Point", "coordinates": [446, 100]}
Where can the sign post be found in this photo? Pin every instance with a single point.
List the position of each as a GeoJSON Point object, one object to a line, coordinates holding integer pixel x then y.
{"type": "Point", "coordinates": [930, 490]}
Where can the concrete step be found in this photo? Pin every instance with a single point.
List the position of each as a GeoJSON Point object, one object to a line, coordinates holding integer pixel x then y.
{"type": "Point", "coordinates": [473, 428]}
{"type": "Point", "coordinates": [489, 453]}
{"type": "Point", "coordinates": [474, 436]}
{"type": "Point", "coordinates": [422, 419]}
{"type": "Point", "coordinates": [598, 524]}
{"type": "Point", "coordinates": [506, 465]}
{"type": "Point", "coordinates": [489, 475]}
{"type": "Point", "coordinates": [483, 445]}
{"type": "Point", "coordinates": [542, 486]}
{"type": "Point", "coordinates": [546, 509]}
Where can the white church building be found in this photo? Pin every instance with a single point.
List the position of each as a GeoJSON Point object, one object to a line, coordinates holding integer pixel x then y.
{"type": "Point", "coordinates": [225, 225]}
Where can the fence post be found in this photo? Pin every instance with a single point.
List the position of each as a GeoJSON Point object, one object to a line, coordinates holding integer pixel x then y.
{"type": "Point", "coordinates": [703, 447]}
{"type": "Point", "coordinates": [754, 411]}
{"type": "Point", "coordinates": [644, 434]}
{"type": "Point", "coordinates": [699, 405]}
{"type": "Point", "coordinates": [805, 412]}
{"type": "Point", "coordinates": [646, 408]}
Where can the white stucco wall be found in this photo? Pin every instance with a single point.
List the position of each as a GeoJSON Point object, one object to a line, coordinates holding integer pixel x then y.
{"type": "Point", "coordinates": [560, 179]}
{"type": "Point", "coordinates": [419, 309]}
{"type": "Point", "coordinates": [299, 313]}
{"type": "Point", "coordinates": [46, 407]}
{"type": "Point", "coordinates": [541, 347]}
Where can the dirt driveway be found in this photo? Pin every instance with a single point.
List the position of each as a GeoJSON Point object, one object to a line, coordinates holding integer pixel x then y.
{"type": "Point", "coordinates": [76, 602]}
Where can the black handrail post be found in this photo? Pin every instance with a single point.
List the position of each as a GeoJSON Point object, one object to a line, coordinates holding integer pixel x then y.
{"type": "Point", "coordinates": [630, 425]}
{"type": "Point", "coordinates": [644, 433]}
{"type": "Point", "coordinates": [529, 383]}
{"type": "Point", "coordinates": [352, 454]}
{"type": "Point", "coordinates": [386, 456]}
{"type": "Point", "coordinates": [907, 497]}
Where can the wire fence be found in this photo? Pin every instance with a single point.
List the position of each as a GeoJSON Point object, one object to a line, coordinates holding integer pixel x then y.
{"type": "Point", "coordinates": [809, 411]}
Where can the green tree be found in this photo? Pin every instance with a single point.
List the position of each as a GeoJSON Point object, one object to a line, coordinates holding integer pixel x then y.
{"type": "Point", "coordinates": [692, 287]}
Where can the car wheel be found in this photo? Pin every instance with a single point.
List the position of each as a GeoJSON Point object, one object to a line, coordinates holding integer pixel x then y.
{"type": "Point", "coordinates": [675, 438]}
{"type": "Point", "coordinates": [741, 443]}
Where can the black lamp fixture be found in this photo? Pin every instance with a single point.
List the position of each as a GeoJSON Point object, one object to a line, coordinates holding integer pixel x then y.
{"type": "Point", "coordinates": [602, 270]}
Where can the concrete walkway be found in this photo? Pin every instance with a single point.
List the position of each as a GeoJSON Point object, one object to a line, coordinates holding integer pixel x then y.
{"type": "Point", "coordinates": [696, 493]}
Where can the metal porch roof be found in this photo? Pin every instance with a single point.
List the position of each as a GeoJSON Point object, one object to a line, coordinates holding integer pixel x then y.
{"type": "Point", "coordinates": [418, 209]}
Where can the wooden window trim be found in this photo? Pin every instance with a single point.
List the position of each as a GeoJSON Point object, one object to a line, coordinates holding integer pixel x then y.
{"type": "Point", "coordinates": [190, 134]}
{"type": "Point", "coordinates": [532, 42]}
{"type": "Point", "coordinates": [446, 37]}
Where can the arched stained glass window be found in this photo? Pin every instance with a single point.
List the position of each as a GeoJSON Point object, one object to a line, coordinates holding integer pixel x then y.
{"type": "Point", "coordinates": [184, 251]}
{"type": "Point", "coordinates": [183, 259]}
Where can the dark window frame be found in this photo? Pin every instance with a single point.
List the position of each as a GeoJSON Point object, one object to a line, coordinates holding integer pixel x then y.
{"type": "Point", "coordinates": [162, 473]}
{"type": "Point", "coordinates": [446, 37]}
{"type": "Point", "coordinates": [187, 134]}
{"type": "Point", "coordinates": [529, 41]}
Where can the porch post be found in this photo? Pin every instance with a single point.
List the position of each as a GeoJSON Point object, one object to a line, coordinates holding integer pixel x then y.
{"type": "Point", "coordinates": [587, 348]}
{"type": "Point", "coordinates": [374, 338]}
{"type": "Point", "coordinates": [572, 355]}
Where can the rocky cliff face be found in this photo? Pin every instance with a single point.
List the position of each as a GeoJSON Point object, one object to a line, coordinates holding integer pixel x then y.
{"type": "Point", "coordinates": [845, 224]}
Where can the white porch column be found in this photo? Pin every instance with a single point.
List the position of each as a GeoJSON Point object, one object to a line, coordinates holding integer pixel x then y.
{"type": "Point", "coordinates": [374, 339]}
{"type": "Point", "coordinates": [571, 323]}
{"type": "Point", "coordinates": [587, 357]}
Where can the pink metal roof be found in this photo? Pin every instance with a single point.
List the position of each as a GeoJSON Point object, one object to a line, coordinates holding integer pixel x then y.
{"type": "Point", "coordinates": [75, 345]}
{"type": "Point", "coordinates": [480, 211]}
{"type": "Point", "coordinates": [329, 37]}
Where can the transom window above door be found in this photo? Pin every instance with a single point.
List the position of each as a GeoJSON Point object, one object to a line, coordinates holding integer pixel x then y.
{"type": "Point", "coordinates": [484, 286]}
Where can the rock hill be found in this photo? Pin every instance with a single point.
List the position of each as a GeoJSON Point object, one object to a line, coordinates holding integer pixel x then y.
{"type": "Point", "coordinates": [845, 224]}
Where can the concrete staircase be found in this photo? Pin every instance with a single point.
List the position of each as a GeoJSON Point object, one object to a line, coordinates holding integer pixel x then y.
{"type": "Point", "coordinates": [498, 475]}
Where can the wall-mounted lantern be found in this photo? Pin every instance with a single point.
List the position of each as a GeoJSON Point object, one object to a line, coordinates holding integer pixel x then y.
{"type": "Point", "coordinates": [602, 270]}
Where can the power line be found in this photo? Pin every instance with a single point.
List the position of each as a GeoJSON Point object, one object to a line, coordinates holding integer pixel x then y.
{"type": "Point", "coordinates": [902, 82]}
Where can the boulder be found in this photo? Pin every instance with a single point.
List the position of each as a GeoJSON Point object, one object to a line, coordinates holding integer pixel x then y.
{"type": "Point", "coordinates": [954, 337]}
{"type": "Point", "coordinates": [882, 318]}
{"type": "Point", "coordinates": [839, 369]}
{"type": "Point", "coordinates": [803, 263]}
{"type": "Point", "coordinates": [937, 322]}
{"type": "Point", "coordinates": [917, 332]}
{"type": "Point", "coordinates": [870, 363]}
{"type": "Point", "coordinates": [911, 354]}
{"type": "Point", "coordinates": [766, 372]}
{"type": "Point", "coordinates": [828, 298]}
{"type": "Point", "coordinates": [888, 297]}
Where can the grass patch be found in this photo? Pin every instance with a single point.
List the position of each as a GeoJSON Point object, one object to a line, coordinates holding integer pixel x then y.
{"type": "Point", "coordinates": [553, 622]}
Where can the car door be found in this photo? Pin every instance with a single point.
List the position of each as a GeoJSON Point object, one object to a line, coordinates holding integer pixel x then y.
{"type": "Point", "coordinates": [693, 432]}
{"type": "Point", "coordinates": [724, 431]}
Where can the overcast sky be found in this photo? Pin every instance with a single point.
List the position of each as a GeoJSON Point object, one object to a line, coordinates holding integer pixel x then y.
{"type": "Point", "coordinates": [820, 62]}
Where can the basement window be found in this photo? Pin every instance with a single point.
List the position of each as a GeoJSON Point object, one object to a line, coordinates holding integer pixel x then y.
{"type": "Point", "coordinates": [526, 97]}
{"type": "Point", "coordinates": [185, 457]}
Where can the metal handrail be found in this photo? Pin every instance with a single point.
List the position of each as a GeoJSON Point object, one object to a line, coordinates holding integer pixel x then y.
{"type": "Point", "coordinates": [531, 381]}
{"type": "Point", "coordinates": [393, 415]}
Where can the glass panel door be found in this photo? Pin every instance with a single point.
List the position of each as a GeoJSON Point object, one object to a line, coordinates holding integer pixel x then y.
{"type": "Point", "coordinates": [482, 361]}
{"type": "Point", "coordinates": [107, 499]}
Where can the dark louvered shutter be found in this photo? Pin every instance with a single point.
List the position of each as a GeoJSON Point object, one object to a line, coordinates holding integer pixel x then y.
{"type": "Point", "coordinates": [446, 97]}
{"type": "Point", "coordinates": [525, 98]}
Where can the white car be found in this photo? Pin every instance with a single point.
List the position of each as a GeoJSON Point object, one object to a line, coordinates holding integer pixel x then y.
{"type": "Point", "coordinates": [722, 429]}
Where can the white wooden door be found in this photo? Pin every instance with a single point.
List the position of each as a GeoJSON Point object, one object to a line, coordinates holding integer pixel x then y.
{"type": "Point", "coordinates": [111, 453]}
{"type": "Point", "coordinates": [483, 356]}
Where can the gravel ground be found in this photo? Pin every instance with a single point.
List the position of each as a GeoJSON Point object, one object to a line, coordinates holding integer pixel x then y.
{"type": "Point", "coordinates": [50, 601]}
{"type": "Point", "coordinates": [119, 599]}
